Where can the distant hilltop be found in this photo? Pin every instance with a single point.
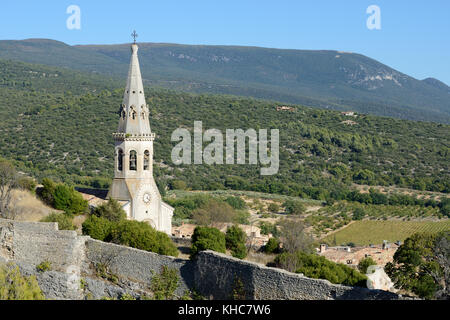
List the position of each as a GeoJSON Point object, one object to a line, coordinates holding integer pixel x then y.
{"type": "Point", "coordinates": [318, 78]}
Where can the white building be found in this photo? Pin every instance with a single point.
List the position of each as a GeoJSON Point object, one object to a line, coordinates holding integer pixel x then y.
{"type": "Point", "coordinates": [133, 185]}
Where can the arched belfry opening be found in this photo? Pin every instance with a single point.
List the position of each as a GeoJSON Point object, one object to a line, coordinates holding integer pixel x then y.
{"type": "Point", "coordinates": [133, 160]}
{"type": "Point", "coordinates": [146, 160]}
{"type": "Point", "coordinates": [120, 160]}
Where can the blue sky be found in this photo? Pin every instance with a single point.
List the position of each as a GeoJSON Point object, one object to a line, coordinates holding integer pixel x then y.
{"type": "Point", "coordinates": [414, 36]}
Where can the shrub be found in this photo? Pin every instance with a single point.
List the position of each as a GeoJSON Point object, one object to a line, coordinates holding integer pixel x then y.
{"type": "Point", "coordinates": [444, 206]}
{"type": "Point", "coordinates": [102, 271]}
{"type": "Point", "coordinates": [68, 199]}
{"type": "Point", "coordinates": [267, 227]}
{"type": "Point", "coordinates": [205, 238]}
{"type": "Point", "coordinates": [185, 206]}
{"type": "Point", "coordinates": [213, 211]}
{"type": "Point", "coordinates": [47, 191]}
{"type": "Point", "coordinates": [164, 284]}
{"type": "Point", "coordinates": [242, 217]}
{"type": "Point", "coordinates": [273, 207]}
{"type": "Point", "coordinates": [178, 185]}
{"type": "Point", "coordinates": [294, 207]}
{"type": "Point", "coordinates": [181, 213]}
{"type": "Point", "coordinates": [236, 202]}
{"type": "Point", "coordinates": [111, 210]}
{"type": "Point", "coordinates": [318, 267]}
{"type": "Point", "coordinates": [235, 239]}
{"type": "Point", "coordinates": [272, 246]}
{"type": "Point", "coordinates": [97, 228]}
{"type": "Point", "coordinates": [358, 214]}
{"type": "Point", "coordinates": [65, 221]}
{"type": "Point", "coordinates": [14, 286]}
{"type": "Point", "coordinates": [141, 235]}
{"type": "Point", "coordinates": [364, 264]}
{"type": "Point", "coordinates": [27, 183]}
{"type": "Point", "coordinates": [44, 266]}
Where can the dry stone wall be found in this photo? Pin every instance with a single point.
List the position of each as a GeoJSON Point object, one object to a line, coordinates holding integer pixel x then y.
{"type": "Point", "coordinates": [74, 258]}
{"type": "Point", "coordinates": [219, 276]}
{"type": "Point", "coordinates": [135, 265]}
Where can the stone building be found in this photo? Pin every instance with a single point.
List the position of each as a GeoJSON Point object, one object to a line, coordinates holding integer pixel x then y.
{"type": "Point", "coordinates": [133, 185]}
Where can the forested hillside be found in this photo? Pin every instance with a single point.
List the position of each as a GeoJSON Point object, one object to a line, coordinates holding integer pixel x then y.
{"type": "Point", "coordinates": [325, 78]}
{"type": "Point", "coordinates": [57, 123]}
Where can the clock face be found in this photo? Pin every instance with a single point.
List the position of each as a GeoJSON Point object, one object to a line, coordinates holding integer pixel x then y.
{"type": "Point", "coordinates": [146, 197]}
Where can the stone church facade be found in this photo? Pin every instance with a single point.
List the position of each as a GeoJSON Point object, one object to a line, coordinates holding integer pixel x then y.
{"type": "Point", "coordinates": [133, 185]}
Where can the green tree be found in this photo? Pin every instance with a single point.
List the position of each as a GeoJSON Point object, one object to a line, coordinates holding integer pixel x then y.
{"type": "Point", "coordinates": [14, 286]}
{"type": "Point", "coordinates": [110, 210]}
{"type": "Point", "coordinates": [421, 265]}
{"type": "Point", "coordinates": [272, 246]}
{"type": "Point", "coordinates": [235, 239]}
{"type": "Point", "coordinates": [47, 191]}
{"type": "Point", "coordinates": [65, 222]}
{"type": "Point", "coordinates": [444, 206]}
{"type": "Point", "coordinates": [358, 214]}
{"type": "Point", "coordinates": [178, 185]}
{"type": "Point", "coordinates": [141, 235]}
{"type": "Point", "coordinates": [318, 267]}
{"type": "Point", "coordinates": [267, 227]}
{"type": "Point", "coordinates": [206, 238]}
{"type": "Point", "coordinates": [364, 177]}
{"type": "Point", "coordinates": [98, 228]}
{"type": "Point", "coordinates": [364, 264]}
{"type": "Point", "coordinates": [213, 211]}
{"type": "Point", "coordinates": [294, 207]}
{"type": "Point", "coordinates": [236, 202]}
{"type": "Point", "coordinates": [68, 199]}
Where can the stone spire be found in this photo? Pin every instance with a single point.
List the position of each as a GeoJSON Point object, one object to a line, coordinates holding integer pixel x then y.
{"type": "Point", "coordinates": [134, 114]}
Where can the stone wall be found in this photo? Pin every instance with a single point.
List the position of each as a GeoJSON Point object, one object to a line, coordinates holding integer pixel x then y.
{"type": "Point", "coordinates": [217, 276]}
{"type": "Point", "coordinates": [74, 275]}
{"type": "Point", "coordinates": [135, 265]}
{"type": "Point", "coordinates": [29, 244]}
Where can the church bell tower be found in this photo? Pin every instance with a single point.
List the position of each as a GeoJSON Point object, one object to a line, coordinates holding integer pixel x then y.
{"type": "Point", "coordinates": [133, 185]}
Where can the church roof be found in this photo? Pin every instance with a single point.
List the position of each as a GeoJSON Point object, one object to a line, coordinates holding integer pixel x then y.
{"type": "Point", "coordinates": [134, 114]}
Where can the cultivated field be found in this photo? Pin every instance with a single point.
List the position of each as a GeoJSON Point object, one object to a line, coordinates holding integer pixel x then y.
{"type": "Point", "coordinates": [374, 232]}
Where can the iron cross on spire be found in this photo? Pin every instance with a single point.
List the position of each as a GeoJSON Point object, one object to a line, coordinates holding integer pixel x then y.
{"type": "Point", "coordinates": [134, 35]}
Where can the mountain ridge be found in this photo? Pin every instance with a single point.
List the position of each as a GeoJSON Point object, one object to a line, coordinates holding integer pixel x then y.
{"type": "Point", "coordinates": [319, 78]}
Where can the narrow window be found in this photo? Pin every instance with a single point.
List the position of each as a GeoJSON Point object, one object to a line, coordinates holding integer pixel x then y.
{"type": "Point", "coordinates": [120, 160]}
{"type": "Point", "coordinates": [133, 160]}
{"type": "Point", "coordinates": [146, 160]}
